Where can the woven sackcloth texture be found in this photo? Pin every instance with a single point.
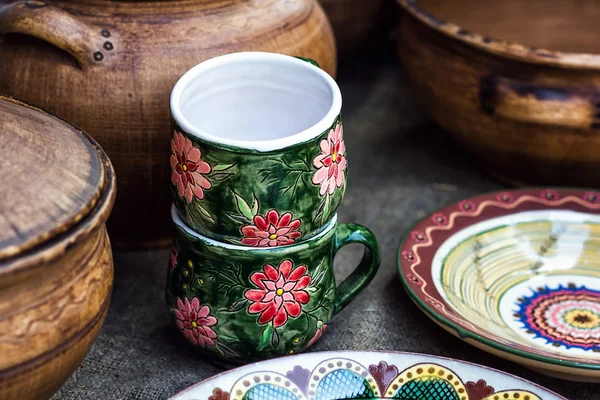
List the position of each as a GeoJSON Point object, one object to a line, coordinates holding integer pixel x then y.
{"type": "Point", "coordinates": [401, 168]}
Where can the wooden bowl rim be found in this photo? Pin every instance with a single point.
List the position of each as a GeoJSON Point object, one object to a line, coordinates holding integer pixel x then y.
{"type": "Point", "coordinates": [501, 47]}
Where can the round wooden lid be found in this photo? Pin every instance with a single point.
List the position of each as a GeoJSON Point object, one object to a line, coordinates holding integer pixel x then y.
{"type": "Point", "coordinates": [51, 176]}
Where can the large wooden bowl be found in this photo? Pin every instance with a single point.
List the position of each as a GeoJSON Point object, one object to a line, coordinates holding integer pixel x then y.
{"type": "Point", "coordinates": [516, 81]}
{"type": "Point", "coordinates": [56, 267]}
{"type": "Point", "coordinates": [109, 67]}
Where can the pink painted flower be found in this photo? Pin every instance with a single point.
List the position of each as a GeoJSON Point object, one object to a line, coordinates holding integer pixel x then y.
{"type": "Point", "coordinates": [272, 230]}
{"type": "Point", "coordinates": [505, 197]}
{"type": "Point", "coordinates": [414, 279]}
{"type": "Point", "coordinates": [320, 330]}
{"type": "Point", "coordinates": [409, 255]}
{"type": "Point", "coordinates": [592, 197]}
{"type": "Point", "coordinates": [549, 195]}
{"type": "Point", "coordinates": [280, 293]}
{"type": "Point", "coordinates": [331, 163]}
{"type": "Point", "coordinates": [195, 322]}
{"type": "Point", "coordinates": [467, 205]}
{"type": "Point", "coordinates": [418, 236]}
{"type": "Point", "coordinates": [188, 168]}
{"type": "Point", "coordinates": [433, 302]}
{"type": "Point", "coordinates": [439, 219]}
{"type": "Point", "coordinates": [173, 258]}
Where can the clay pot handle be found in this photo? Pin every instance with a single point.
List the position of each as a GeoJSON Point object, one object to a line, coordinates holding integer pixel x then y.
{"type": "Point", "coordinates": [541, 104]}
{"type": "Point", "coordinates": [88, 44]}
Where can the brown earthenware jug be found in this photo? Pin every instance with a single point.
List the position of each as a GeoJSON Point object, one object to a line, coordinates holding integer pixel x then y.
{"type": "Point", "coordinates": [109, 67]}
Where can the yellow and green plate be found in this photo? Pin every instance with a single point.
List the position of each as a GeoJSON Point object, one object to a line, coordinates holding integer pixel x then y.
{"type": "Point", "coordinates": [515, 273]}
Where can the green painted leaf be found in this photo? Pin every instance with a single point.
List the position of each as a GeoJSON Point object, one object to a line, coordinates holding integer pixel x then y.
{"type": "Point", "coordinates": [206, 214]}
{"type": "Point", "coordinates": [227, 338]}
{"type": "Point", "coordinates": [220, 176]}
{"type": "Point", "coordinates": [240, 219]}
{"type": "Point", "coordinates": [309, 60]}
{"type": "Point", "coordinates": [326, 208]}
{"type": "Point", "coordinates": [243, 207]}
{"type": "Point", "coordinates": [238, 305]}
{"type": "Point", "coordinates": [254, 206]}
{"type": "Point", "coordinates": [266, 337]}
{"type": "Point", "coordinates": [222, 167]}
{"type": "Point", "coordinates": [275, 339]}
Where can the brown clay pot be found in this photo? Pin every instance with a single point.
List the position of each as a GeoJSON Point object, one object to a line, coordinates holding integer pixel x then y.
{"type": "Point", "coordinates": [109, 67]}
{"type": "Point", "coordinates": [355, 23]}
{"type": "Point", "coordinates": [529, 112]}
{"type": "Point", "coordinates": [56, 268]}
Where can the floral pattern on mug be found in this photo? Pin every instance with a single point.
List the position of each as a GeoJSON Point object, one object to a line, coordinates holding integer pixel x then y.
{"type": "Point", "coordinates": [272, 230]}
{"type": "Point", "coordinates": [280, 293]}
{"type": "Point", "coordinates": [188, 168]}
{"type": "Point", "coordinates": [195, 322]}
{"type": "Point", "coordinates": [331, 162]}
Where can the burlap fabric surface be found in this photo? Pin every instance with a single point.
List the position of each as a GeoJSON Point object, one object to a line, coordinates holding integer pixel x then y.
{"type": "Point", "coordinates": [401, 168]}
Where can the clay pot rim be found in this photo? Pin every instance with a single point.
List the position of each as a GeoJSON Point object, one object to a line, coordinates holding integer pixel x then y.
{"type": "Point", "coordinates": [43, 253]}
{"type": "Point", "coordinates": [501, 47]}
{"type": "Point", "coordinates": [321, 126]}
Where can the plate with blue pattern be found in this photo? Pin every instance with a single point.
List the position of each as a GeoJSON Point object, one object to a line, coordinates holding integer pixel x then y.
{"type": "Point", "coordinates": [365, 376]}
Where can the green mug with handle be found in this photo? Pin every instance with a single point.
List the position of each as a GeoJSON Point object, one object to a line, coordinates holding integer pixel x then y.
{"type": "Point", "coordinates": [239, 305]}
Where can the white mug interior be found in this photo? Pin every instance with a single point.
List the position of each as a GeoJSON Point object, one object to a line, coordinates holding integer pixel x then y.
{"type": "Point", "coordinates": [256, 100]}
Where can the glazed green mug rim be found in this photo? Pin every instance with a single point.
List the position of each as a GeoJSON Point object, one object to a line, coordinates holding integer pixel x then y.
{"type": "Point", "coordinates": [177, 220]}
{"type": "Point", "coordinates": [307, 134]}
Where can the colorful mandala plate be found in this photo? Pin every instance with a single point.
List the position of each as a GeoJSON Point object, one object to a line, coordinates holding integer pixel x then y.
{"type": "Point", "coordinates": [366, 376]}
{"type": "Point", "coordinates": [515, 273]}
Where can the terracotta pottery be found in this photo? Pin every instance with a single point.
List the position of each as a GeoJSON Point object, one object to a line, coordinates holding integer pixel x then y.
{"type": "Point", "coordinates": [516, 274]}
{"type": "Point", "coordinates": [238, 305]}
{"type": "Point", "coordinates": [257, 155]}
{"type": "Point", "coordinates": [56, 268]}
{"type": "Point", "coordinates": [347, 375]}
{"type": "Point", "coordinates": [109, 66]}
{"type": "Point", "coordinates": [354, 22]}
{"type": "Point", "coordinates": [516, 82]}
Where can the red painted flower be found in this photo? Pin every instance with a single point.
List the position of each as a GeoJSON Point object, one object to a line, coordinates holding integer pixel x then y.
{"type": "Point", "coordinates": [173, 258]}
{"type": "Point", "coordinates": [439, 219]}
{"type": "Point", "coordinates": [320, 330]}
{"type": "Point", "coordinates": [505, 197]}
{"type": "Point", "coordinates": [280, 293]}
{"type": "Point", "coordinates": [331, 163]}
{"type": "Point", "coordinates": [188, 168]}
{"type": "Point", "coordinates": [467, 205]}
{"type": "Point", "coordinates": [195, 322]}
{"type": "Point", "coordinates": [272, 230]}
{"type": "Point", "coordinates": [550, 195]}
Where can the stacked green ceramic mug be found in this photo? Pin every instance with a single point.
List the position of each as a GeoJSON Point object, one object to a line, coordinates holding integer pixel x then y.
{"type": "Point", "coordinates": [259, 168]}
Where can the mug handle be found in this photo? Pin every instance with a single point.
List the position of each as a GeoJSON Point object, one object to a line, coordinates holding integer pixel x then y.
{"type": "Point", "coordinates": [367, 268]}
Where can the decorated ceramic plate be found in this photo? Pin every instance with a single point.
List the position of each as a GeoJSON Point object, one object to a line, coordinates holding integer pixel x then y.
{"type": "Point", "coordinates": [365, 375]}
{"type": "Point", "coordinates": [515, 273]}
